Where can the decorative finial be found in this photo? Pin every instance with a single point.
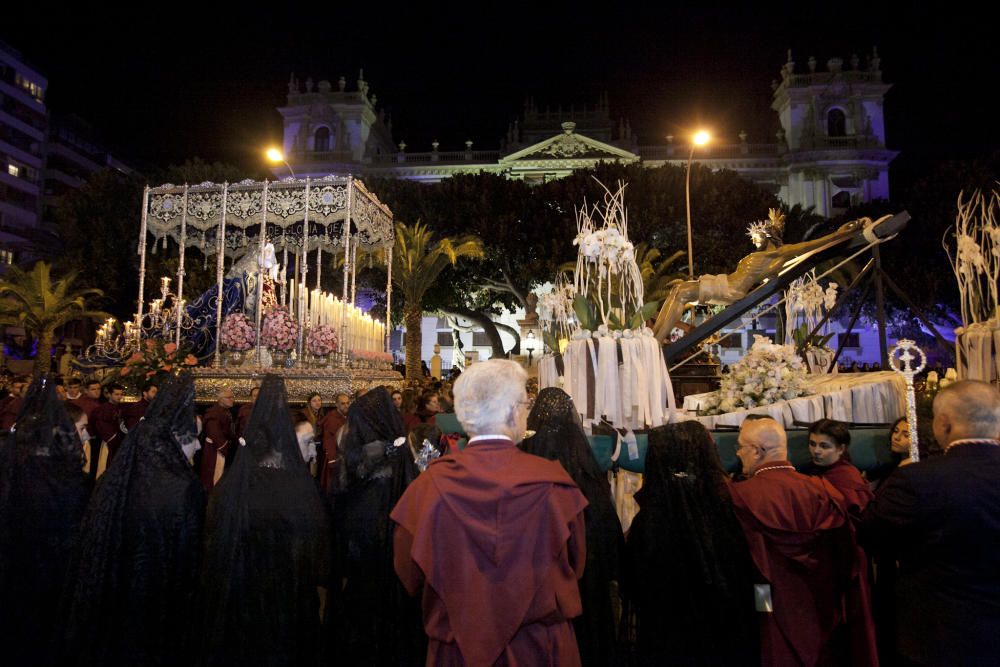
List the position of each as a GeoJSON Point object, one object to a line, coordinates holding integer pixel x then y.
{"type": "Point", "coordinates": [402, 146]}
{"type": "Point", "coordinates": [812, 64]}
{"type": "Point", "coordinates": [341, 83]}
{"type": "Point", "coordinates": [743, 136]}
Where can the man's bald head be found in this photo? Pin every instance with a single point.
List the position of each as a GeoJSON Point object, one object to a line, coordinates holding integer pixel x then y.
{"type": "Point", "coordinates": [226, 397]}
{"type": "Point", "coordinates": [761, 440]}
{"type": "Point", "coordinates": [966, 409]}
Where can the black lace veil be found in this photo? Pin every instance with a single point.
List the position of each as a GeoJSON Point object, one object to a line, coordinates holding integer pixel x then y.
{"type": "Point", "coordinates": [559, 436]}
{"type": "Point", "coordinates": [135, 517]}
{"type": "Point", "coordinates": [42, 500]}
{"type": "Point", "coordinates": [372, 418]}
{"type": "Point", "coordinates": [267, 545]}
{"type": "Point", "coordinates": [374, 620]}
{"type": "Point", "coordinates": [686, 546]}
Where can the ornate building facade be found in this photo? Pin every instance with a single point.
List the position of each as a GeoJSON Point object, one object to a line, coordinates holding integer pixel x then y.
{"type": "Point", "coordinates": [829, 152]}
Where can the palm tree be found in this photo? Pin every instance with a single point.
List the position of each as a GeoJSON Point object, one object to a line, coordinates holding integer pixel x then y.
{"type": "Point", "coordinates": [40, 304]}
{"type": "Point", "coordinates": [416, 264]}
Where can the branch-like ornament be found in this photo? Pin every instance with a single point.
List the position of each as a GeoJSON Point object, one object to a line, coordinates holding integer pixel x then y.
{"type": "Point", "coordinates": [902, 365]}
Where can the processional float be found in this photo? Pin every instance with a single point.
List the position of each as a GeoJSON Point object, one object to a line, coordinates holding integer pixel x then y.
{"type": "Point", "coordinates": [263, 237]}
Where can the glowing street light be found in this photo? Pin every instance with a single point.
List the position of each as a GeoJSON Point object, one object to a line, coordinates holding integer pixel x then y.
{"type": "Point", "coordinates": [275, 155]}
{"type": "Point", "coordinates": [700, 138]}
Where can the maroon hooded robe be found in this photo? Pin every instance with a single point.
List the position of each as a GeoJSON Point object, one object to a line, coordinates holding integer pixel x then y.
{"type": "Point", "coordinates": [494, 540]}
{"type": "Point", "coordinates": [844, 477]}
{"type": "Point", "coordinates": [216, 437]}
{"type": "Point", "coordinates": [802, 545]}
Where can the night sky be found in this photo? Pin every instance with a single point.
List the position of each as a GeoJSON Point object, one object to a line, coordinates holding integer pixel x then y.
{"type": "Point", "coordinates": [187, 82]}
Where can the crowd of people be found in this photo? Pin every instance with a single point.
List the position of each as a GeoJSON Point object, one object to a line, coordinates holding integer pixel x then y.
{"type": "Point", "coordinates": [356, 533]}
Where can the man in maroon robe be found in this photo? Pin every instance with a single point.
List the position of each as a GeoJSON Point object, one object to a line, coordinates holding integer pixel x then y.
{"type": "Point", "coordinates": [329, 427]}
{"type": "Point", "coordinates": [243, 416]}
{"type": "Point", "coordinates": [10, 405]}
{"type": "Point", "coordinates": [493, 538]}
{"type": "Point", "coordinates": [107, 419]}
{"type": "Point", "coordinates": [133, 412]}
{"type": "Point", "coordinates": [803, 547]}
{"type": "Point", "coordinates": [216, 436]}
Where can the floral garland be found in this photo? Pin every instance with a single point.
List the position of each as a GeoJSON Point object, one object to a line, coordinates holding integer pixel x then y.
{"type": "Point", "coordinates": [279, 331]}
{"type": "Point", "coordinates": [154, 363]}
{"type": "Point", "coordinates": [768, 373]}
{"type": "Point", "coordinates": [321, 340]}
{"type": "Point", "coordinates": [238, 332]}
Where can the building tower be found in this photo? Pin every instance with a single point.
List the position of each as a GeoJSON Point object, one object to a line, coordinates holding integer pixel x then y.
{"type": "Point", "coordinates": [833, 134]}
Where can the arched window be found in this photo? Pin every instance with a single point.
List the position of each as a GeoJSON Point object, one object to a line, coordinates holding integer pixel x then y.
{"type": "Point", "coordinates": [836, 123]}
{"type": "Point", "coordinates": [321, 141]}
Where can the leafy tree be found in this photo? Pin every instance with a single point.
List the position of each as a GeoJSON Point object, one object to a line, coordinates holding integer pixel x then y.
{"type": "Point", "coordinates": [99, 227]}
{"type": "Point", "coordinates": [41, 304]}
{"type": "Point", "coordinates": [416, 264]}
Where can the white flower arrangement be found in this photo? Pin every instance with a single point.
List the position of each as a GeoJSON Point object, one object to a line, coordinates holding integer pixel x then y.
{"type": "Point", "coordinates": [279, 331]}
{"type": "Point", "coordinates": [321, 340]}
{"type": "Point", "coordinates": [606, 269]}
{"type": "Point", "coordinates": [238, 332]}
{"type": "Point", "coordinates": [768, 373]}
{"type": "Point", "coordinates": [975, 259]}
{"type": "Point", "coordinates": [805, 303]}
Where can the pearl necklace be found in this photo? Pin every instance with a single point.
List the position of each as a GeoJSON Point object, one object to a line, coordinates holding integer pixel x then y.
{"type": "Point", "coordinates": [760, 470]}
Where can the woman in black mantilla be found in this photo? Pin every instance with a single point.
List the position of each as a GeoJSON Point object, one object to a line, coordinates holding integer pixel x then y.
{"type": "Point", "coordinates": [559, 437]}
{"type": "Point", "coordinates": [134, 595]}
{"type": "Point", "coordinates": [688, 572]}
{"type": "Point", "coordinates": [267, 546]}
{"type": "Point", "coordinates": [376, 622]}
{"type": "Point", "coordinates": [42, 500]}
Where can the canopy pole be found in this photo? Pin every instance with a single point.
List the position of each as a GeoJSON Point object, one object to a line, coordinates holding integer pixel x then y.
{"type": "Point", "coordinates": [220, 248]}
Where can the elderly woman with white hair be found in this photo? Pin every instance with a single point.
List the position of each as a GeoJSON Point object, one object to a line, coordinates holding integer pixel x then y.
{"type": "Point", "coordinates": [493, 537]}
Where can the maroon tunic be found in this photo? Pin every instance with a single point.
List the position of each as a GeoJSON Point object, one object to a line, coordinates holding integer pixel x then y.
{"type": "Point", "coordinates": [494, 540]}
{"type": "Point", "coordinates": [857, 607]}
{"type": "Point", "coordinates": [329, 427]}
{"type": "Point", "coordinates": [243, 418]}
{"type": "Point", "coordinates": [8, 411]}
{"type": "Point", "coordinates": [107, 425]}
{"type": "Point", "coordinates": [802, 545]}
{"type": "Point", "coordinates": [845, 478]}
{"type": "Point", "coordinates": [87, 404]}
{"type": "Point", "coordinates": [133, 412]}
{"type": "Point", "coordinates": [217, 436]}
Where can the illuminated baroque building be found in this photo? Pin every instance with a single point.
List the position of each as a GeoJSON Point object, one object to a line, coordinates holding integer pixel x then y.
{"type": "Point", "coordinates": [829, 153]}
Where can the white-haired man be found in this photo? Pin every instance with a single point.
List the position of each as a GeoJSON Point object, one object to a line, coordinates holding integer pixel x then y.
{"type": "Point", "coordinates": [940, 519]}
{"type": "Point", "coordinates": [797, 530]}
{"type": "Point", "coordinates": [493, 537]}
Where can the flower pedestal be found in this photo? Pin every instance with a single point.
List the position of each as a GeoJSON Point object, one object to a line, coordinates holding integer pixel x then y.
{"type": "Point", "coordinates": [232, 358]}
{"type": "Point", "coordinates": [819, 360]}
{"type": "Point", "coordinates": [278, 358]}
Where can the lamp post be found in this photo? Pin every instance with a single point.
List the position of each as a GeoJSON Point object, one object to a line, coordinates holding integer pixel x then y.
{"type": "Point", "coordinates": [529, 344]}
{"type": "Point", "coordinates": [699, 139]}
{"type": "Point", "coordinates": [275, 155]}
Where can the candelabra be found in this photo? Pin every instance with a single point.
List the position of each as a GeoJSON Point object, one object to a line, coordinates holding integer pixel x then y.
{"type": "Point", "coordinates": [165, 315]}
{"type": "Point", "coordinates": [111, 347]}
{"type": "Point", "coordinates": [904, 346]}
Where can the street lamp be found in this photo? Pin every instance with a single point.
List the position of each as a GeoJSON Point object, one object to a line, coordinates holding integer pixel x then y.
{"type": "Point", "coordinates": [275, 155]}
{"type": "Point", "coordinates": [699, 139]}
{"type": "Point", "coordinates": [530, 344]}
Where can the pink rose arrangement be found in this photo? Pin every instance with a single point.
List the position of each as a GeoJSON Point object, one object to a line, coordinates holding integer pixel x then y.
{"type": "Point", "coordinates": [238, 332]}
{"type": "Point", "coordinates": [279, 331]}
{"type": "Point", "coordinates": [321, 340]}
